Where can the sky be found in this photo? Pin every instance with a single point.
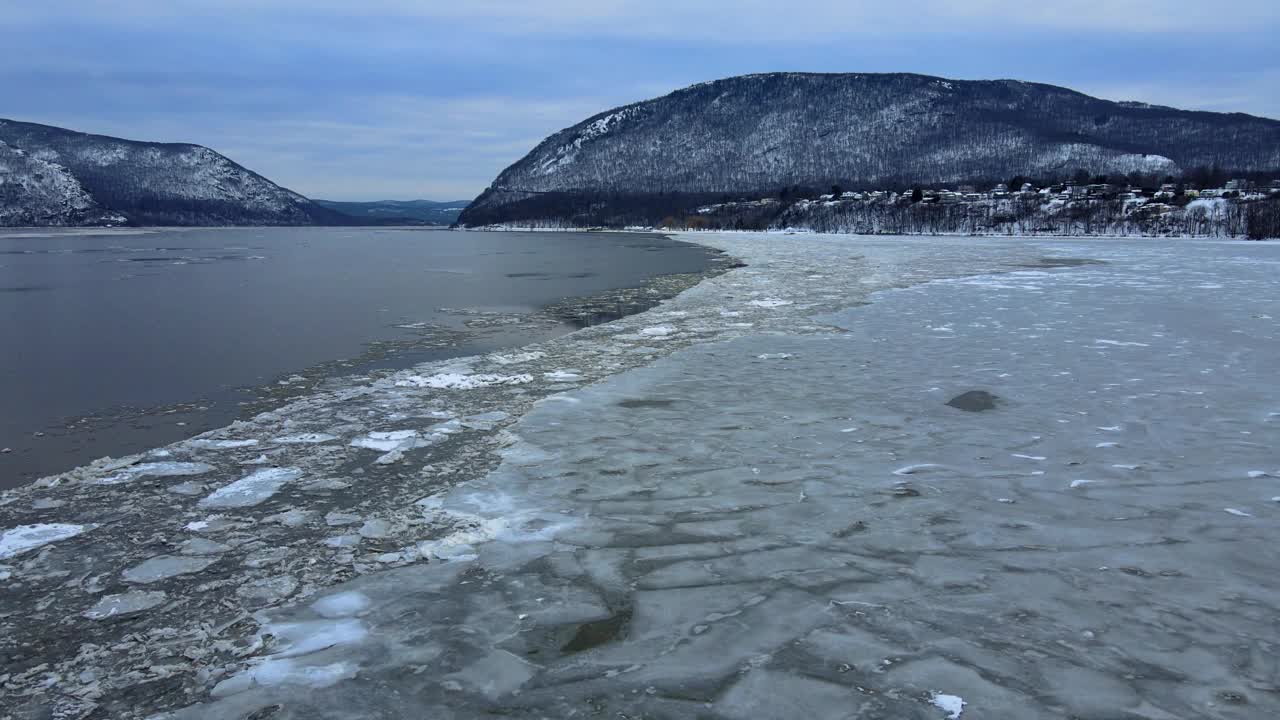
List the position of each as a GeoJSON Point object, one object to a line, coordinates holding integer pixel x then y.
{"type": "Point", "coordinates": [401, 99]}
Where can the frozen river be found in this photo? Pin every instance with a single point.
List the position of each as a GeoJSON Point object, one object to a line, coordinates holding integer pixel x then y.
{"type": "Point", "coordinates": [753, 502]}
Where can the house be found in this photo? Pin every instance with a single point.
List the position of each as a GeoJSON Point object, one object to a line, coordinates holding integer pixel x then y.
{"type": "Point", "coordinates": [1000, 190]}
{"type": "Point", "coordinates": [1027, 188]}
{"type": "Point", "coordinates": [1237, 185]}
{"type": "Point", "coordinates": [1275, 184]}
{"type": "Point", "coordinates": [1077, 191]}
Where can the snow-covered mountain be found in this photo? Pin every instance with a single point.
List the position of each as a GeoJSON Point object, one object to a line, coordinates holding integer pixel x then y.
{"type": "Point", "coordinates": [757, 134]}
{"type": "Point", "coordinates": [53, 176]}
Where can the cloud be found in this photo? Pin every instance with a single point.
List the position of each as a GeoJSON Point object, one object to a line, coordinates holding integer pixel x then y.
{"type": "Point", "coordinates": [403, 98]}
{"type": "Point", "coordinates": [745, 21]}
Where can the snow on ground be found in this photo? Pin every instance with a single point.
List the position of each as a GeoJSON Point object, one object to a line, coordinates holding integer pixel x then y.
{"type": "Point", "coordinates": [698, 529]}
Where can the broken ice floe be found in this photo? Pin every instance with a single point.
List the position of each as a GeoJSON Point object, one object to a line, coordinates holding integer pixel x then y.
{"type": "Point", "coordinates": [343, 604]}
{"type": "Point", "coordinates": [164, 567]}
{"type": "Point", "coordinates": [206, 444]}
{"type": "Point", "coordinates": [124, 604]}
{"type": "Point", "coordinates": [462, 381]}
{"type": "Point", "coordinates": [952, 705]}
{"type": "Point", "coordinates": [155, 469]}
{"type": "Point", "coordinates": [919, 468]}
{"type": "Point", "coordinates": [387, 441]}
{"type": "Point", "coordinates": [277, 673]}
{"type": "Point", "coordinates": [252, 489]}
{"type": "Point", "coordinates": [24, 538]}
{"type": "Point", "coordinates": [562, 376]}
{"type": "Point", "coordinates": [304, 439]}
{"type": "Point", "coordinates": [516, 358]}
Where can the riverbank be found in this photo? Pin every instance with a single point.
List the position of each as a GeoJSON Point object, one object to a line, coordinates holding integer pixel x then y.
{"type": "Point", "coordinates": [747, 496]}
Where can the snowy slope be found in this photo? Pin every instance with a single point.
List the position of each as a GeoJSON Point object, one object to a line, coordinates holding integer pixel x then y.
{"type": "Point", "coordinates": [37, 192]}
{"type": "Point", "coordinates": [760, 133]}
{"type": "Point", "coordinates": [53, 176]}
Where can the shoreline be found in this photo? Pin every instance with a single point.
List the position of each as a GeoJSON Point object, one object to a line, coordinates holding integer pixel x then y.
{"type": "Point", "coordinates": [272, 511]}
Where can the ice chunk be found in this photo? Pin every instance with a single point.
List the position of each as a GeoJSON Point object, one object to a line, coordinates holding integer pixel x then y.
{"type": "Point", "coordinates": [24, 538]}
{"type": "Point", "coordinates": [134, 601]}
{"type": "Point", "coordinates": [201, 546]}
{"type": "Point", "coordinates": [344, 604]}
{"type": "Point", "coordinates": [517, 358]}
{"type": "Point", "coordinates": [770, 303]}
{"type": "Point", "coordinates": [304, 439]}
{"type": "Point", "coordinates": [1255, 474]}
{"type": "Point", "coordinates": [952, 705]}
{"type": "Point", "coordinates": [252, 489]}
{"type": "Point", "coordinates": [155, 469]}
{"type": "Point", "coordinates": [462, 381]}
{"type": "Point", "coordinates": [1121, 343]}
{"type": "Point", "coordinates": [387, 441]}
{"type": "Point", "coordinates": [274, 673]}
{"type": "Point", "coordinates": [1082, 483]}
{"type": "Point", "coordinates": [770, 695]}
{"type": "Point", "coordinates": [1237, 513]}
{"type": "Point", "coordinates": [913, 469]}
{"type": "Point", "coordinates": [775, 356]}
{"type": "Point", "coordinates": [223, 444]}
{"type": "Point", "coordinates": [304, 638]}
{"type": "Point", "coordinates": [562, 376]}
{"type": "Point", "coordinates": [657, 331]}
{"type": "Point", "coordinates": [1031, 457]}
{"type": "Point", "coordinates": [287, 672]}
{"type": "Point", "coordinates": [266, 591]}
{"type": "Point", "coordinates": [165, 566]}
{"type": "Point", "coordinates": [496, 674]}
{"type": "Point", "coordinates": [374, 529]}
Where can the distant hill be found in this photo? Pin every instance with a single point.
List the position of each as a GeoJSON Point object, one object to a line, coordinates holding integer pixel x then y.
{"type": "Point", "coordinates": [400, 212]}
{"type": "Point", "coordinates": [756, 135]}
{"type": "Point", "coordinates": [53, 176]}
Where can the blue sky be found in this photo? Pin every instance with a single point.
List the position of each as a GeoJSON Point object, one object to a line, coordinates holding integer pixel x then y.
{"type": "Point", "coordinates": [432, 98]}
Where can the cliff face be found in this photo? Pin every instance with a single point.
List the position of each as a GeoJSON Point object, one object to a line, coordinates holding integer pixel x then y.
{"type": "Point", "coordinates": [53, 176]}
{"type": "Point", "coordinates": [758, 133]}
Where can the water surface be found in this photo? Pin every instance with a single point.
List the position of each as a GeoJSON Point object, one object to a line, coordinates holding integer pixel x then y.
{"type": "Point", "coordinates": [116, 341]}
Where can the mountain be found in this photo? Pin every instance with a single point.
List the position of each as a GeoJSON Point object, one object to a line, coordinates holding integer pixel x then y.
{"type": "Point", "coordinates": [758, 134]}
{"type": "Point", "coordinates": [400, 212]}
{"type": "Point", "coordinates": [54, 176]}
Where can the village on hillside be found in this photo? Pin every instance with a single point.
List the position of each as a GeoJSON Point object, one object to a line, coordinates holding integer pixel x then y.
{"type": "Point", "coordinates": [1238, 208]}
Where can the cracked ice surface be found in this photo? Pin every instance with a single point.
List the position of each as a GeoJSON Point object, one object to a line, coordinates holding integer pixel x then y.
{"type": "Point", "coordinates": [695, 532]}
